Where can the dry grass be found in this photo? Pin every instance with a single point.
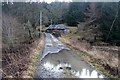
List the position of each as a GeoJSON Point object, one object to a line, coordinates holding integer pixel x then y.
{"type": "Point", "coordinates": [35, 58]}
{"type": "Point", "coordinates": [20, 61]}
{"type": "Point", "coordinates": [72, 32]}
{"type": "Point", "coordinates": [105, 58]}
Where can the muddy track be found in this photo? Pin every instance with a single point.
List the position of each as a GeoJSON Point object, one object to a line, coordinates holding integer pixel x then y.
{"type": "Point", "coordinates": [58, 61]}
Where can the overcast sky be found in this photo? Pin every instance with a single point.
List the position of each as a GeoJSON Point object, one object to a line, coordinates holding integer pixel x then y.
{"type": "Point", "coordinates": [49, 1]}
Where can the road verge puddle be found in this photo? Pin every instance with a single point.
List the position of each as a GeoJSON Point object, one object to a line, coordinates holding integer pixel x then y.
{"type": "Point", "coordinates": [65, 70]}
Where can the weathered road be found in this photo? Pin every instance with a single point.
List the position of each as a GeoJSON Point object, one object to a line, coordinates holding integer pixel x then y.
{"type": "Point", "coordinates": [58, 61]}
{"type": "Point", "coordinates": [52, 45]}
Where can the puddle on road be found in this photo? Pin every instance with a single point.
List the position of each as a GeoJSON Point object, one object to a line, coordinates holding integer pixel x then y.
{"type": "Point", "coordinates": [48, 70]}
{"type": "Point", "coordinates": [65, 70]}
{"type": "Point", "coordinates": [65, 64]}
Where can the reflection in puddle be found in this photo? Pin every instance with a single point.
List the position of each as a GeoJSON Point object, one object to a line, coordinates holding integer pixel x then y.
{"type": "Point", "coordinates": [86, 74]}
{"type": "Point", "coordinates": [52, 68]}
{"type": "Point", "coordinates": [58, 71]}
{"type": "Point", "coordinates": [48, 70]}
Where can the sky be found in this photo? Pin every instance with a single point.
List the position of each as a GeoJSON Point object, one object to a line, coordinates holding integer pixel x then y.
{"type": "Point", "coordinates": [49, 1]}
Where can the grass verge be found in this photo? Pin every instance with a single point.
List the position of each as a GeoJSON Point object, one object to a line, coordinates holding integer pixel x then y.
{"type": "Point", "coordinates": [35, 58]}
{"type": "Point", "coordinates": [88, 58]}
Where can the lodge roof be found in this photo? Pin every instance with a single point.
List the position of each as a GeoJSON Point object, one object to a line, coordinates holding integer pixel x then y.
{"type": "Point", "coordinates": [59, 26]}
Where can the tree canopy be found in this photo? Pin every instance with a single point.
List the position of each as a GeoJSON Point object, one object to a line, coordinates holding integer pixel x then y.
{"type": "Point", "coordinates": [70, 13]}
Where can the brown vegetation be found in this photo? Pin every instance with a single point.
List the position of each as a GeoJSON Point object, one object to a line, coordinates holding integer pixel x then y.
{"type": "Point", "coordinates": [15, 60]}
{"type": "Point", "coordinates": [18, 42]}
{"type": "Point", "coordinates": [105, 56]}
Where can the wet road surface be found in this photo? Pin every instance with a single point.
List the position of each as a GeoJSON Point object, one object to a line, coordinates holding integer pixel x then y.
{"type": "Point", "coordinates": [52, 45]}
{"type": "Point", "coordinates": [58, 61]}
